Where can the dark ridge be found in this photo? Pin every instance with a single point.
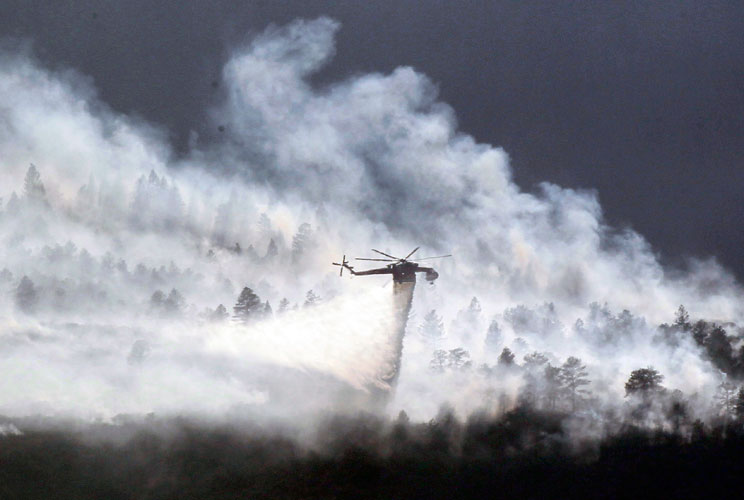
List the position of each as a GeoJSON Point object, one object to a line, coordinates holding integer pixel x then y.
{"type": "Point", "coordinates": [522, 454]}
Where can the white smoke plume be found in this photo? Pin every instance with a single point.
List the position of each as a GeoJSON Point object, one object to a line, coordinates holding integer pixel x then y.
{"type": "Point", "coordinates": [302, 175]}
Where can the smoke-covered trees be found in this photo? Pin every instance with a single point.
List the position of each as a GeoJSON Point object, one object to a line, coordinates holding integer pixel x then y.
{"type": "Point", "coordinates": [506, 358]}
{"type": "Point", "coordinates": [726, 400]}
{"type": "Point", "coordinates": [682, 319]}
{"type": "Point", "coordinates": [5, 275]}
{"type": "Point", "coordinates": [438, 361]}
{"type": "Point", "coordinates": [174, 303]}
{"type": "Point", "coordinates": [26, 296]}
{"type": "Point", "coordinates": [302, 242]}
{"type": "Point", "coordinates": [468, 320]}
{"type": "Point", "coordinates": [33, 188]}
{"type": "Point", "coordinates": [311, 299]}
{"type": "Point", "coordinates": [573, 376]}
{"type": "Point", "coordinates": [271, 250]}
{"type": "Point", "coordinates": [718, 347]}
{"type": "Point", "coordinates": [219, 314]}
{"type": "Point", "coordinates": [248, 307]}
{"type": "Point", "coordinates": [494, 337]}
{"type": "Point", "coordinates": [14, 204]}
{"type": "Point", "coordinates": [283, 306]}
{"type": "Point", "coordinates": [170, 305]}
{"type": "Point", "coordinates": [739, 406]}
{"type": "Point", "coordinates": [432, 329]}
{"type": "Point", "coordinates": [156, 203]}
{"type": "Point", "coordinates": [644, 382]}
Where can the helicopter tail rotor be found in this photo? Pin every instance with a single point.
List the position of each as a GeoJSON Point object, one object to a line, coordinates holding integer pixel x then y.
{"type": "Point", "coordinates": [344, 264]}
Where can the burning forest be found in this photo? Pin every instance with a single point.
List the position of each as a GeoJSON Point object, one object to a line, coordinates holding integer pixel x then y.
{"type": "Point", "coordinates": [171, 324]}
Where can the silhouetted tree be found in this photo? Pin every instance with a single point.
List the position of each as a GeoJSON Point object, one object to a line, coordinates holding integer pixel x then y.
{"type": "Point", "coordinates": [26, 296]}
{"type": "Point", "coordinates": [700, 332]}
{"type": "Point", "coordinates": [719, 349]}
{"type": "Point", "coordinates": [682, 319]}
{"type": "Point", "coordinates": [248, 307]}
{"type": "Point", "coordinates": [676, 410]}
{"type": "Point", "coordinates": [283, 306]}
{"type": "Point", "coordinates": [573, 376]}
{"type": "Point", "coordinates": [267, 312]}
{"type": "Point", "coordinates": [506, 358]}
{"type": "Point", "coordinates": [644, 382]}
{"type": "Point", "coordinates": [551, 375]}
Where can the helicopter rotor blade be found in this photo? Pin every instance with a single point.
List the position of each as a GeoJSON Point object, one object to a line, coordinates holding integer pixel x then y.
{"type": "Point", "coordinates": [437, 257]}
{"type": "Point", "coordinates": [377, 260]}
{"type": "Point", "coordinates": [386, 255]}
{"type": "Point", "coordinates": [412, 252]}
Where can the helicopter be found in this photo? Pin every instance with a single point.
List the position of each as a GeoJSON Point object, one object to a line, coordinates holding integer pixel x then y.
{"type": "Point", "coordinates": [402, 269]}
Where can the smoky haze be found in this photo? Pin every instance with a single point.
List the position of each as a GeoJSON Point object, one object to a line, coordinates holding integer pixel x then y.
{"type": "Point", "coordinates": [640, 101]}
{"type": "Point", "coordinates": [117, 254]}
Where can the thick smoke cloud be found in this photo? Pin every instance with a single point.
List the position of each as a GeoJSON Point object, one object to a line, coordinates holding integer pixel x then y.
{"type": "Point", "coordinates": [129, 253]}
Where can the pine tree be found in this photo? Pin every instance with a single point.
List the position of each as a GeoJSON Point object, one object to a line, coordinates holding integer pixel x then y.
{"type": "Point", "coordinates": [438, 361]}
{"type": "Point", "coordinates": [494, 336]}
{"type": "Point", "coordinates": [174, 303]}
{"type": "Point", "coordinates": [264, 225]}
{"type": "Point", "coordinates": [272, 250]}
{"type": "Point", "coordinates": [14, 204]}
{"type": "Point", "coordinates": [726, 399]}
{"type": "Point", "coordinates": [302, 242]}
{"type": "Point", "coordinates": [26, 295]}
{"type": "Point", "coordinates": [432, 328]}
{"type": "Point", "coordinates": [506, 358]}
{"type": "Point", "coordinates": [267, 312]}
{"type": "Point", "coordinates": [33, 188]}
{"type": "Point", "coordinates": [311, 299]}
{"type": "Point", "coordinates": [248, 307]}
{"type": "Point", "coordinates": [573, 378]}
{"type": "Point", "coordinates": [552, 379]}
{"type": "Point", "coordinates": [157, 299]}
{"type": "Point", "coordinates": [459, 359]}
{"type": "Point", "coordinates": [283, 306]}
{"type": "Point", "coordinates": [644, 382]}
{"type": "Point", "coordinates": [219, 314]}
{"type": "Point", "coordinates": [682, 319]}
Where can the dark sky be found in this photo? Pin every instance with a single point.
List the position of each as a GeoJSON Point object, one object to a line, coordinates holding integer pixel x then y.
{"type": "Point", "coordinates": [641, 100]}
